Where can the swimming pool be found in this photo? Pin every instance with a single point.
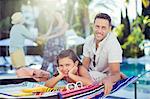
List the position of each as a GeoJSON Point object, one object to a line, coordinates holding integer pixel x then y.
{"type": "Point", "coordinates": [133, 69]}
{"type": "Point", "coordinates": [136, 69]}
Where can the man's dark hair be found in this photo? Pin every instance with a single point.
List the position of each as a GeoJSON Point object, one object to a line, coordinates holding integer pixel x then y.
{"type": "Point", "coordinates": [103, 16]}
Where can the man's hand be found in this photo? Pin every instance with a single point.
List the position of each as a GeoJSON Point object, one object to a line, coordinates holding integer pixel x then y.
{"type": "Point", "coordinates": [122, 75]}
{"type": "Point", "coordinates": [108, 85]}
{"type": "Point", "coordinates": [114, 69]}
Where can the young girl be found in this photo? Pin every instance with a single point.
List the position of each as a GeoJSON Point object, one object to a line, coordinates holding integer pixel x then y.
{"type": "Point", "coordinates": [69, 69]}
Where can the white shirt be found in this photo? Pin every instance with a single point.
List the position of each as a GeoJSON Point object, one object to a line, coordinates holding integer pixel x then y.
{"type": "Point", "coordinates": [109, 51]}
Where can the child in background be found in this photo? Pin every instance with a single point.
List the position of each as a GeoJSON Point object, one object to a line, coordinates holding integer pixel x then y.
{"type": "Point", "coordinates": [69, 69]}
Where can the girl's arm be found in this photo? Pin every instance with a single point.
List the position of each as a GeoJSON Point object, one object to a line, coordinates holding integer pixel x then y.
{"type": "Point", "coordinates": [53, 81]}
{"type": "Point", "coordinates": [83, 76]}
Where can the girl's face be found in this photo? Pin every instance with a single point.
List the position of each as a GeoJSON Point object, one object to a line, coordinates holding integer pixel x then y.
{"type": "Point", "coordinates": [65, 65]}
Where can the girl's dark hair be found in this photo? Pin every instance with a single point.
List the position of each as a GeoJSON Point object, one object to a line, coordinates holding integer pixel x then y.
{"type": "Point", "coordinates": [68, 53]}
{"type": "Point", "coordinates": [103, 16]}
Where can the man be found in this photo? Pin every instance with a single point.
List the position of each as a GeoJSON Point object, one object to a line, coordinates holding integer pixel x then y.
{"type": "Point", "coordinates": [102, 52]}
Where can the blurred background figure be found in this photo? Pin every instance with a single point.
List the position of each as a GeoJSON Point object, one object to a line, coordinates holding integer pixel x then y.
{"type": "Point", "coordinates": [18, 34]}
{"type": "Point", "coordinates": [55, 40]}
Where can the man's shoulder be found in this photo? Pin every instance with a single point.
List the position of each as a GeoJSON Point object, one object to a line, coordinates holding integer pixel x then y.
{"type": "Point", "coordinates": [112, 40]}
{"type": "Point", "coordinates": [90, 38]}
{"type": "Point", "coordinates": [112, 37]}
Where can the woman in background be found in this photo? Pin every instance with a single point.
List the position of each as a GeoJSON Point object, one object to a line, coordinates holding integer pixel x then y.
{"type": "Point", "coordinates": [56, 40]}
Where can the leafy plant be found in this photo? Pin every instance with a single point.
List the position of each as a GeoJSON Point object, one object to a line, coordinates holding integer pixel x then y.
{"type": "Point", "coordinates": [131, 45]}
{"type": "Point", "coordinates": [119, 30]}
{"type": "Point", "coordinates": [5, 24]}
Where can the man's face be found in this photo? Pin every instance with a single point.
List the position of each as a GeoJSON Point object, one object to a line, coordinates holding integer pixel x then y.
{"type": "Point", "coordinates": [101, 29]}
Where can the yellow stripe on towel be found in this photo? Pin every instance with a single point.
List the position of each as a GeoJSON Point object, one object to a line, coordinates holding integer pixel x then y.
{"type": "Point", "coordinates": [36, 89]}
{"type": "Point", "coordinates": [41, 89]}
{"type": "Point", "coordinates": [22, 94]}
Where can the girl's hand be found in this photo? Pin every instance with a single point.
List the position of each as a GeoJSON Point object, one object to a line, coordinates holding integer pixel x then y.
{"type": "Point", "coordinates": [73, 70]}
{"type": "Point", "coordinates": [60, 73]}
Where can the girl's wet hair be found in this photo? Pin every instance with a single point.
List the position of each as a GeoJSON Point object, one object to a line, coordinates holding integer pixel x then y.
{"type": "Point", "coordinates": [68, 53]}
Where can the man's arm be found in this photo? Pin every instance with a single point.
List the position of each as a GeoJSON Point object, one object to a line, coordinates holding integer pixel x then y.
{"type": "Point", "coordinates": [114, 71]}
{"type": "Point", "coordinates": [86, 62]}
{"type": "Point", "coordinates": [112, 77]}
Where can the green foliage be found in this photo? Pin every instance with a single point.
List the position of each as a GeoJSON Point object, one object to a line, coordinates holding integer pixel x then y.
{"type": "Point", "coordinates": [5, 24]}
{"type": "Point", "coordinates": [141, 21]}
{"type": "Point", "coordinates": [131, 44]}
{"type": "Point", "coordinates": [119, 30]}
{"type": "Point", "coordinates": [80, 20]}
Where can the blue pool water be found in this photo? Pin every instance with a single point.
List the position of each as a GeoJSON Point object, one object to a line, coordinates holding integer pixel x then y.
{"type": "Point", "coordinates": [137, 69]}
{"type": "Point", "coordinates": [133, 69]}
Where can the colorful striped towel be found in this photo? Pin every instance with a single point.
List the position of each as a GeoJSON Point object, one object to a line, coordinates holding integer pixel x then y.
{"type": "Point", "coordinates": [96, 91]}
